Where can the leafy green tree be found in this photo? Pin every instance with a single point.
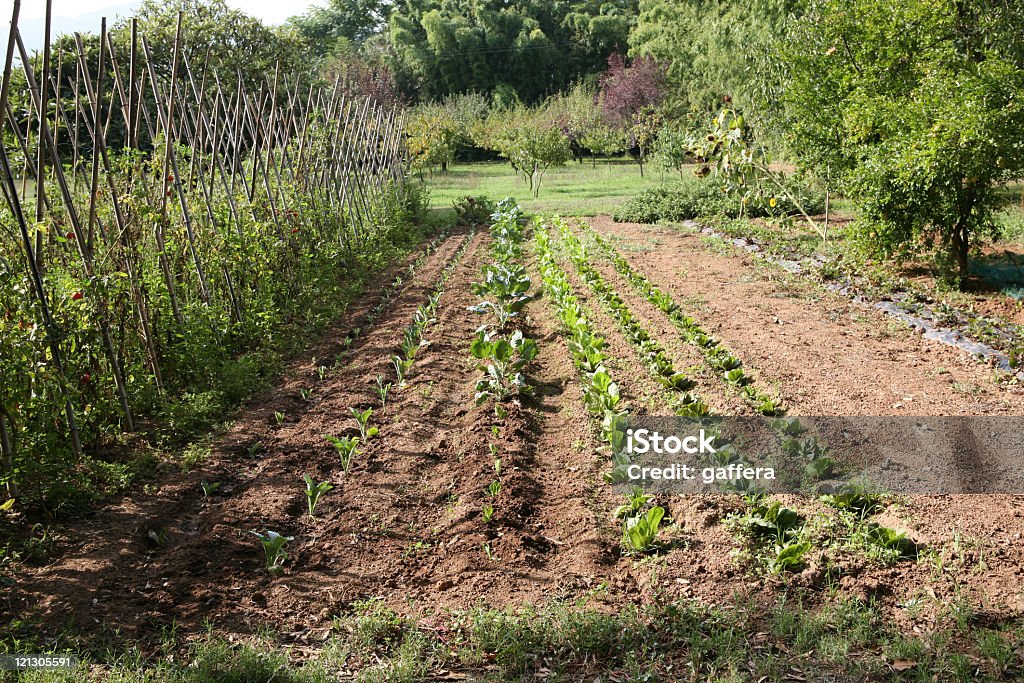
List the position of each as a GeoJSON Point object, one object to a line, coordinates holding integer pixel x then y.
{"type": "Point", "coordinates": [343, 22]}
{"type": "Point", "coordinates": [531, 48]}
{"type": "Point", "coordinates": [238, 43]}
{"type": "Point", "coordinates": [712, 49]}
{"type": "Point", "coordinates": [916, 107]}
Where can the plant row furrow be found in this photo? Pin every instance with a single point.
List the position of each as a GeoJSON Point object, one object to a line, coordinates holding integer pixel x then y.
{"type": "Point", "coordinates": [654, 356]}
{"type": "Point", "coordinates": [727, 365]}
{"type": "Point", "coordinates": [601, 394]}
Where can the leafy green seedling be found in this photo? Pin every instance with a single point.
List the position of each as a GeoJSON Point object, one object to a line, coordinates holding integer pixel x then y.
{"type": "Point", "coordinates": [402, 368]}
{"type": "Point", "coordinates": [273, 550]}
{"type": "Point", "coordinates": [278, 417]}
{"type": "Point", "coordinates": [347, 447]}
{"type": "Point", "coordinates": [788, 556]}
{"type": "Point", "coordinates": [321, 371]}
{"type": "Point", "coordinates": [637, 499]}
{"type": "Point", "coordinates": [735, 376]}
{"type": "Point", "coordinates": [314, 491]}
{"type": "Point", "coordinates": [304, 394]}
{"type": "Point", "coordinates": [640, 533]}
{"type": "Point", "coordinates": [488, 513]}
{"type": "Point", "coordinates": [383, 389]}
{"type": "Point", "coordinates": [255, 449]}
{"type": "Point", "coordinates": [505, 360]}
{"type": "Point", "coordinates": [209, 487]}
{"type": "Point", "coordinates": [494, 488]}
{"type": "Point", "coordinates": [363, 421]}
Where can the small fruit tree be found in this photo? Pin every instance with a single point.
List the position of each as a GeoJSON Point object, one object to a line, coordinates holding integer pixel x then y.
{"type": "Point", "coordinates": [915, 106]}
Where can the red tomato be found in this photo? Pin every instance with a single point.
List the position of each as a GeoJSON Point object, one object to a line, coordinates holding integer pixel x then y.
{"type": "Point", "coordinates": [77, 296]}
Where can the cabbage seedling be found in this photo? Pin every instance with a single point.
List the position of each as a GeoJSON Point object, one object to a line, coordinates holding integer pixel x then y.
{"type": "Point", "coordinates": [363, 421]}
{"type": "Point", "coordinates": [402, 368]}
{"type": "Point", "coordinates": [314, 491]}
{"type": "Point", "coordinates": [507, 358]}
{"type": "Point", "coordinates": [383, 389]}
{"type": "Point", "coordinates": [488, 513]}
{"type": "Point", "coordinates": [273, 550]}
{"type": "Point", "coordinates": [347, 447]}
{"type": "Point", "coordinates": [494, 489]}
{"type": "Point", "coordinates": [640, 532]}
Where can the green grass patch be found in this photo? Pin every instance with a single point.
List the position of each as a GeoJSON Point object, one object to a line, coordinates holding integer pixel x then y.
{"type": "Point", "coordinates": [577, 189]}
{"type": "Point", "coordinates": [844, 640]}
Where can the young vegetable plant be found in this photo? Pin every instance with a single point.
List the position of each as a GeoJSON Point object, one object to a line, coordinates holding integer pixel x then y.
{"type": "Point", "coordinates": [402, 367]}
{"type": "Point", "coordinates": [347, 447]}
{"type": "Point", "coordinates": [788, 556]}
{"type": "Point", "coordinates": [363, 422]}
{"type": "Point", "coordinates": [314, 491]}
{"type": "Point", "coordinates": [507, 285]}
{"type": "Point", "coordinates": [640, 533]}
{"type": "Point", "coordinates": [505, 360]}
{"type": "Point", "coordinates": [488, 513]}
{"type": "Point", "coordinates": [273, 550]}
{"type": "Point", "coordinates": [636, 501]}
{"type": "Point", "coordinates": [383, 389]}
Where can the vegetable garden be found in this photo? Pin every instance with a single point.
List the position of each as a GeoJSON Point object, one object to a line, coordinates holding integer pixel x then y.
{"type": "Point", "coordinates": [267, 416]}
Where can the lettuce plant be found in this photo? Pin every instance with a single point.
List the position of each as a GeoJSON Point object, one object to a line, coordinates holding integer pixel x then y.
{"type": "Point", "coordinates": [640, 533]}
{"type": "Point", "coordinates": [273, 550]}
{"type": "Point", "coordinates": [347, 447]}
{"type": "Point", "coordinates": [314, 491]}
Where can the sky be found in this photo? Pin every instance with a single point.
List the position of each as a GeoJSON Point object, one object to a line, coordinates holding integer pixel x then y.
{"type": "Point", "coordinates": [70, 16]}
{"type": "Point", "coordinates": [270, 11]}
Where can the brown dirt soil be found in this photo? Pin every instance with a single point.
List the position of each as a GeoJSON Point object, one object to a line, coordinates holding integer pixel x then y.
{"type": "Point", "coordinates": [405, 524]}
{"type": "Point", "coordinates": [828, 356]}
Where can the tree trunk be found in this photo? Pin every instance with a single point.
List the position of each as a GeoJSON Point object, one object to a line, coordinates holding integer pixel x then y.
{"type": "Point", "coordinates": [961, 245]}
{"type": "Point", "coordinates": [7, 458]}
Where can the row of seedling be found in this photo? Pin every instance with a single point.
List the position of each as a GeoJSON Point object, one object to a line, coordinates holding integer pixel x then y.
{"type": "Point", "coordinates": [347, 447]}
{"type": "Point", "coordinates": [503, 352]}
{"type": "Point", "coordinates": [640, 521]}
{"type": "Point", "coordinates": [504, 288]}
{"type": "Point", "coordinates": [726, 364]}
{"type": "Point", "coordinates": [654, 356]}
{"type": "Point", "coordinates": [393, 288]}
{"type": "Point", "coordinates": [412, 335]}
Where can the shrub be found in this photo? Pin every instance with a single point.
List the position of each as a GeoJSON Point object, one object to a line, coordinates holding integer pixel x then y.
{"type": "Point", "coordinates": [700, 198]}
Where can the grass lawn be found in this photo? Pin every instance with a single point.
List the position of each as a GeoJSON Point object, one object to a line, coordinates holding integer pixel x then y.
{"type": "Point", "coordinates": [574, 189]}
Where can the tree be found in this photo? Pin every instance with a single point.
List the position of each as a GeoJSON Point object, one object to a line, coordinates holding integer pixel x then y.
{"type": "Point", "coordinates": [531, 140]}
{"type": "Point", "coordinates": [345, 22]}
{"type": "Point", "coordinates": [362, 76]}
{"type": "Point", "coordinates": [711, 49]}
{"type": "Point", "coordinates": [238, 43]}
{"type": "Point", "coordinates": [532, 48]}
{"type": "Point", "coordinates": [916, 107]}
{"type": "Point", "coordinates": [628, 89]}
